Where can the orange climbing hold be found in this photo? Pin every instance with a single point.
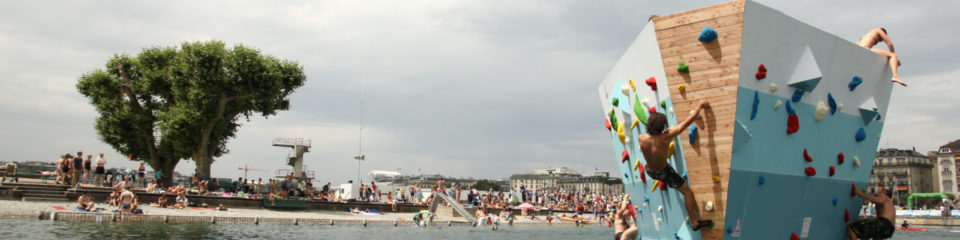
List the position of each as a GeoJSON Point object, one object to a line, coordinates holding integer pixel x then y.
{"type": "Point", "coordinates": [607, 123]}
{"type": "Point", "coordinates": [652, 82]}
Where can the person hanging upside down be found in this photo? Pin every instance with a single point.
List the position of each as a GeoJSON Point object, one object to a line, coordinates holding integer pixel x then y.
{"type": "Point", "coordinates": [875, 36]}
{"type": "Point", "coordinates": [655, 145]}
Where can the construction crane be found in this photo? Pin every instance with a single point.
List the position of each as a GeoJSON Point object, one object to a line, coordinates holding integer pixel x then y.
{"type": "Point", "coordinates": [245, 169]}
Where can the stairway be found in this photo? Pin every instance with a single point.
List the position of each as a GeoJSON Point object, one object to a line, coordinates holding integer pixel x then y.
{"type": "Point", "coordinates": [40, 192]}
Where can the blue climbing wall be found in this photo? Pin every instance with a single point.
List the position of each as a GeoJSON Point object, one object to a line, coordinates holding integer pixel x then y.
{"type": "Point", "coordinates": [640, 62]}
{"type": "Point", "coordinates": [789, 201]}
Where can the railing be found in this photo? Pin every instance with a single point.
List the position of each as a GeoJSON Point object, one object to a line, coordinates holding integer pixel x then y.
{"type": "Point", "coordinates": [292, 141]}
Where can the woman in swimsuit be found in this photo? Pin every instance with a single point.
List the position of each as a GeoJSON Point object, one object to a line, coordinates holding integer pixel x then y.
{"type": "Point", "coordinates": [98, 178]}
{"type": "Point", "coordinates": [140, 173]}
{"type": "Point", "coordinates": [86, 169]}
{"type": "Point", "coordinates": [67, 162]}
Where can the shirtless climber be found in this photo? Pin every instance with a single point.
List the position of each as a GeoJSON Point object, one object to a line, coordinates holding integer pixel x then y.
{"type": "Point", "coordinates": [872, 38]}
{"type": "Point", "coordinates": [655, 145]}
{"type": "Point", "coordinates": [880, 227]}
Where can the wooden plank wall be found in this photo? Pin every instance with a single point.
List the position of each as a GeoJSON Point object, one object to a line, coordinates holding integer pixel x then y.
{"type": "Point", "coordinates": [714, 71]}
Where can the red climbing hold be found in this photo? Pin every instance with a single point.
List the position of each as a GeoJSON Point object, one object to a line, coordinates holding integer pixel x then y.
{"type": "Point", "coordinates": [607, 123]}
{"type": "Point", "coordinates": [653, 109]}
{"type": "Point", "coordinates": [840, 159]}
{"type": "Point", "coordinates": [793, 236]}
{"type": "Point", "coordinates": [832, 171]}
{"type": "Point", "coordinates": [853, 190]}
{"type": "Point", "coordinates": [626, 156]}
{"type": "Point", "coordinates": [807, 156]}
{"type": "Point", "coordinates": [793, 124]}
{"type": "Point", "coordinates": [761, 72]}
{"type": "Point", "coordinates": [663, 186]}
{"type": "Point", "coordinates": [810, 171]}
{"type": "Point", "coordinates": [762, 68]}
{"type": "Point", "coordinates": [846, 215]}
{"type": "Point", "coordinates": [643, 175]}
{"type": "Point", "coordinates": [652, 82]}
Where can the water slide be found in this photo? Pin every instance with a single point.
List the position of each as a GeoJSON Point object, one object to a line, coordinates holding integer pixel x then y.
{"type": "Point", "coordinates": [453, 203]}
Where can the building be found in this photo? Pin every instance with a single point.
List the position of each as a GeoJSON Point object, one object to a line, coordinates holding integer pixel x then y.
{"type": "Point", "coordinates": [904, 171]}
{"type": "Point", "coordinates": [555, 179]}
{"type": "Point", "coordinates": [948, 158]}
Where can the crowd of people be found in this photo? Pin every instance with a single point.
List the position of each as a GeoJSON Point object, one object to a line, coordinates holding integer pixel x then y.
{"type": "Point", "coordinates": [74, 170]}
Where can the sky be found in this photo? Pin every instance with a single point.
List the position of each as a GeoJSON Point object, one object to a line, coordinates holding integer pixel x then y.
{"type": "Point", "coordinates": [481, 89]}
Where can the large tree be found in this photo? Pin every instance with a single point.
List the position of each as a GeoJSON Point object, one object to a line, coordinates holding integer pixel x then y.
{"type": "Point", "coordinates": [168, 103]}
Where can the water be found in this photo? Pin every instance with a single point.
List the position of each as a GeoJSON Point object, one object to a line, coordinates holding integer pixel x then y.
{"type": "Point", "coordinates": [36, 229]}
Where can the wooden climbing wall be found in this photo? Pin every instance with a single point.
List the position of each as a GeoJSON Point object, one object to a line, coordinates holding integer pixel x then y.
{"type": "Point", "coordinates": [714, 71]}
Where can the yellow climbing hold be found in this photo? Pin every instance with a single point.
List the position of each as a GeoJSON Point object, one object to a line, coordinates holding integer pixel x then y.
{"type": "Point", "coordinates": [636, 122]}
{"type": "Point", "coordinates": [633, 85]}
{"type": "Point", "coordinates": [716, 179]}
{"type": "Point", "coordinates": [671, 150]}
{"type": "Point", "coordinates": [620, 133]}
{"type": "Point", "coordinates": [682, 87]}
{"type": "Point", "coordinates": [636, 165]}
{"type": "Point", "coordinates": [655, 185]}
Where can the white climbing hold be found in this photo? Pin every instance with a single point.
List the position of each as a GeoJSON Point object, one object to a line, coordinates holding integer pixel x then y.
{"type": "Point", "coordinates": [777, 106]}
{"type": "Point", "coordinates": [709, 206]}
{"type": "Point", "coordinates": [625, 89]}
{"type": "Point", "coordinates": [839, 106]}
{"type": "Point", "coordinates": [821, 111]}
{"type": "Point", "coordinates": [670, 110]}
{"type": "Point", "coordinates": [626, 141]}
{"type": "Point", "coordinates": [773, 87]}
{"type": "Point", "coordinates": [856, 161]}
{"type": "Point", "coordinates": [646, 102]}
{"type": "Point", "coordinates": [692, 112]}
{"type": "Point", "coordinates": [660, 208]}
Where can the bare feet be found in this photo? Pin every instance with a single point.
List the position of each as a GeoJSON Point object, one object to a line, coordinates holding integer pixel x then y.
{"type": "Point", "coordinates": [897, 80]}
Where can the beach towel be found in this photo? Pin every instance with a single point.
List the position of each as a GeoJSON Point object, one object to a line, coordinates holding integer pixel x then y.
{"type": "Point", "coordinates": [59, 208]}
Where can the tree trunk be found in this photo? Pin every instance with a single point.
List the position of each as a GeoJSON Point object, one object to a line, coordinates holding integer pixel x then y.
{"type": "Point", "coordinates": [167, 166]}
{"type": "Point", "coordinates": [203, 161]}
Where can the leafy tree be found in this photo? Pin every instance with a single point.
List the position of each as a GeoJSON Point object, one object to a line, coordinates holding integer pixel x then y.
{"type": "Point", "coordinates": [168, 104]}
{"type": "Point", "coordinates": [484, 184]}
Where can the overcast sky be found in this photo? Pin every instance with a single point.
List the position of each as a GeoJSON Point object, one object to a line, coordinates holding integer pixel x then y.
{"type": "Point", "coordinates": [483, 89]}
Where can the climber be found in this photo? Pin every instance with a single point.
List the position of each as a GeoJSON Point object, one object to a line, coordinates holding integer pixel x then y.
{"type": "Point", "coordinates": [880, 227]}
{"type": "Point", "coordinates": [655, 145]}
{"type": "Point", "coordinates": [872, 38]}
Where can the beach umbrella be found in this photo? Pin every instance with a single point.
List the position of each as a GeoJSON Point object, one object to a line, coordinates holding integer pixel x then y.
{"type": "Point", "coordinates": [525, 206]}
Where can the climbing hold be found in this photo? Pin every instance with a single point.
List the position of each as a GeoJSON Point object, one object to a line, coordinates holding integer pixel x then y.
{"type": "Point", "coordinates": [660, 208]}
{"type": "Point", "coordinates": [653, 109]}
{"type": "Point", "coordinates": [616, 102]}
{"type": "Point", "coordinates": [613, 119]}
{"type": "Point", "coordinates": [856, 161]}
{"type": "Point", "coordinates": [853, 189]}
{"type": "Point", "coordinates": [663, 104]}
{"type": "Point", "coordinates": [606, 122]}
{"type": "Point", "coordinates": [832, 171]}
{"type": "Point", "coordinates": [797, 94]}
{"type": "Point", "coordinates": [878, 117]}
{"type": "Point", "coordinates": [709, 206]}
{"type": "Point", "coordinates": [846, 215]}
{"type": "Point", "coordinates": [646, 102]}
{"type": "Point", "coordinates": [762, 180]}
{"type": "Point", "coordinates": [777, 106]}
{"type": "Point", "coordinates": [774, 87]}
{"type": "Point", "coordinates": [861, 134]}
{"type": "Point", "coordinates": [639, 111]}
{"type": "Point", "coordinates": [835, 201]}
{"type": "Point", "coordinates": [807, 156]}
{"type": "Point", "coordinates": [810, 171]}
{"type": "Point", "coordinates": [840, 159]}
{"type": "Point", "coordinates": [633, 85]}
{"type": "Point", "coordinates": [646, 198]}
{"type": "Point", "coordinates": [693, 133]}
{"type": "Point", "coordinates": [793, 124]}
{"type": "Point", "coordinates": [671, 150]}
{"type": "Point", "coordinates": [793, 236]}
{"type": "Point", "coordinates": [682, 87]}
{"type": "Point", "coordinates": [855, 82]}
{"type": "Point", "coordinates": [683, 68]}
{"type": "Point", "coordinates": [677, 236]}
{"type": "Point", "coordinates": [806, 75]}
{"type": "Point", "coordinates": [625, 89]}
{"type": "Point", "coordinates": [655, 185]}
{"type": "Point", "coordinates": [716, 179]}
{"type": "Point", "coordinates": [626, 141]}
{"type": "Point", "coordinates": [832, 103]}
{"type": "Point", "coordinates": [685, 176]}
{"type": "Point", "coordinates": [625, 156]}
{"type": "Point", "coordinates": [729, 229]}
{"type": "Point", "coordinates": [820, 112]}
{"type": "Point", "coordinates": [652, 82]}
{"type": "Point", "coordinates": [868, 111]}
{"type": "Point", "coordinates": [761, 72]}
{"type": "Point", "coordinates": [636, 122]}
{"type": "Point", "coordinates": [621, 133]}
{"type": "Point", "coordinates": [790, 110]}
{"type": "Point", "coordinates": [663, 186]}
{"type": "Point", "coordinates": [670, 110]}
{"type": "Point", "coordinates": [762, 68]}
{"type": "Point", "coordinates": [707, 35]}
{"type": "Point", "coordinates": [637, 165]}
{"type": "Point", "coordinates": [756, 105]}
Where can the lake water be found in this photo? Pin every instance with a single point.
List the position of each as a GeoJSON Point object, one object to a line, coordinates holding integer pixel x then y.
{"type": "Point", "coordinates": [36, 229]}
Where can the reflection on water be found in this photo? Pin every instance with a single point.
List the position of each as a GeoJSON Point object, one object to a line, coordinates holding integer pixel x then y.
{"type": "Point", "coordinates": [36, 229]}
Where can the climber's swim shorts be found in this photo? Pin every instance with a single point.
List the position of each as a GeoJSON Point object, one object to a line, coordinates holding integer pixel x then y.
{"type": "Point", "coordinates": [873, 228]}
{"type": "Point", "coordinates": [668, 176]}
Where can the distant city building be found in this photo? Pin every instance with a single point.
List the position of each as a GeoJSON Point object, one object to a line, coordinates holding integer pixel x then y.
{"type": "Point", "coordinates": [555, 179]}
{"type": "Point", "coordinates": [903, 171]}
{"type": "Point", "coordinates": [948, 158]}
{"type": "Point", "coordinates": [421, 181]}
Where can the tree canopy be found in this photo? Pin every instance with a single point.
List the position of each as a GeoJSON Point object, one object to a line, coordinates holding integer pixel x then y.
{"type": "Point", "coordinates": [167, 103]}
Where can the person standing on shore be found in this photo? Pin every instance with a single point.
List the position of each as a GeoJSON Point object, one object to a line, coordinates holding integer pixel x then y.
{"type": "Point", "coordinates": [87, 169]}
{"type": "Point", "coordinates": [77, 170]}
{"type": "Point", "coordinates": [126, 203]}
{"type": "Point", "coordinates": [100, 171]}
{"type": "Point", "coordinates": [141, 172]}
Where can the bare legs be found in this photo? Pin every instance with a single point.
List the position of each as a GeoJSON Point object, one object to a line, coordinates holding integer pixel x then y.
{"type": "Point", "coordinates": [630, 233]}
{"type": "Point", "coordinates": [894, 63]}
{"type": "Point", "coordinates": [850, 234]}
{"type": "Point", "coordinates": [690, 202]}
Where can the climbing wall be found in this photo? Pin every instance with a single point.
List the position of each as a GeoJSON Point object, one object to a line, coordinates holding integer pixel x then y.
{"type": "Point", "coordinates": [795, 119]}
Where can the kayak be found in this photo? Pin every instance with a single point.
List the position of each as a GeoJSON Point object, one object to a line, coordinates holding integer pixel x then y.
{"type": "Point", "coordinates": [913, 229]}
{"type": "Point", "coordinates": [574, 220]}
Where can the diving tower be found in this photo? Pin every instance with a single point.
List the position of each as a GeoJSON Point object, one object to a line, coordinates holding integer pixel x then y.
{"type": "Point", "coordinates": [298, 146]}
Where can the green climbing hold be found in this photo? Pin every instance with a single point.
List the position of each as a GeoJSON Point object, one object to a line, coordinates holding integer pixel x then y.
{"type": "Point", "coordinates": [613, 120]}
{"type": "Point", "coordinates": [639, 111]}
{"type": "Point", "coordinates": [683, 68]}
{"type": "Point", "coordinates": [616, 102]}
{"type": "Point", "coordinates": [663, 104]}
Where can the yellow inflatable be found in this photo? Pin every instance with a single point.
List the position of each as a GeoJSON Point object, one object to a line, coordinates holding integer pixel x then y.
{"type": "Point", "coordinates": [574, 220]}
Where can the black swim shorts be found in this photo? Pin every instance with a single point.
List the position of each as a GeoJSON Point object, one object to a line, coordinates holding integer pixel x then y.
{"type": "Point", "coordinates": [873, 228]}
{"type": "Point", "coordinates": [667, 175]}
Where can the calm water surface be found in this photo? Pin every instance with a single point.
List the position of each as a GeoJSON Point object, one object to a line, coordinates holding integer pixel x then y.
{"type": "Point", "coordinates": [36, 229]}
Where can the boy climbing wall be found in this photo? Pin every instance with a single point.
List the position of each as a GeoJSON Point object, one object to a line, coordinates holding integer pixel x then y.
{"type": "Point", "coordinates": [655, 145]}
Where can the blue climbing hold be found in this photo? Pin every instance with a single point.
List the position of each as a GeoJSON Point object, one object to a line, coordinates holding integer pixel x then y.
{"type": "Point", "coordinates": [677, 236]}
{"type": "Point", "coordinates": [832, 103]}
{"type": "Point", "coordinates": [646, 198]}
{"type": "Point", "coordinates": [835, 201]}
{"type": "Point", "coordinates": [756, 105]}
{"type": "Point", "coordinates": [729, 229]}
{"type": "Point", "coordinates": [707, 35]}
{"type": "Point", "coordinates": [878, 117]}
{"type": "Point", "coordinates": [797, 94]}
{"type": "Point", "coordinates": [861, 135]}
{"type": "Point", "coordinates": [693, 133]}
{"type": "Point", "coordinates": [855, 82]}
{"type": "Point", "coordinates": [790, 110]}
{"type": "Point", "coordinates": [762, 180]}
{"type": "Point", "coordinates": [684, 175]}
{"type": "Point", "coordinates": [625, 176]}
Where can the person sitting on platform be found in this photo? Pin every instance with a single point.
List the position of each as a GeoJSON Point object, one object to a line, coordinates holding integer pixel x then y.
{"type": "Point", "coordinates": [655, 146]}
{"type": "Point", "coordinates": [85, 203]}
{"type": "Point", "coordinates": [162, 200]}
{"type": "Point", "coordinates": [880, 227]}
{"type": "Point", "coordinates": [871, 39]}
